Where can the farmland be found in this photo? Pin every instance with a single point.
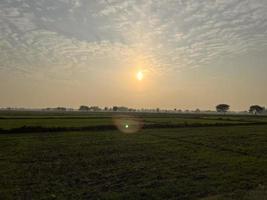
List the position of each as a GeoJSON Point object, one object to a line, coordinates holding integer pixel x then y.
{"type": "Point", "coordinates": [172, 156]}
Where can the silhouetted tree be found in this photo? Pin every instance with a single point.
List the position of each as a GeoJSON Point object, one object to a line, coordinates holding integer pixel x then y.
{"type": "Point", "coordinates": [84, 108]}
{"type": "Point", "coordinates": [60, 109]}
{"type": "Point", "coordinates": [115, 108]}
{"type": "Point", "coordinates": [255, 109]}
{"type": "Point", "coordinates": [222, 108]}
{"type": "Point", "coordinates": [94, 108]}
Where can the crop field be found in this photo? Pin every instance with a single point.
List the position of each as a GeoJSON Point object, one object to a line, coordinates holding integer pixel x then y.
{"type": "Point", "coordinates": [45, 155]}
{"type": "Point", "coordinates": [16, 120]}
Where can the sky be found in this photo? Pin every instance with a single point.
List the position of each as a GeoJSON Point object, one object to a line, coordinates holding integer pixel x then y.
{"type": "Point", "coordinates": [193, 54]}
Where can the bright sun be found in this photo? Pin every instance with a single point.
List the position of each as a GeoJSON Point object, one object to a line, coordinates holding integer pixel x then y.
{"type": "Point", "coordinates": [140, 76]}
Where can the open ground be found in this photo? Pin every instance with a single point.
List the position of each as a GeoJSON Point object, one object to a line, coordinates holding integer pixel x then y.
{"type": "Point", "coordinates": [81, 155]}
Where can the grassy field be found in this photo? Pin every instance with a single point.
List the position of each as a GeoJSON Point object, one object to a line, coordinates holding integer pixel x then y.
{"type": "Point", "coordinates": [207, 163]}
{"type": "Point", "coordinates": [11, 120]}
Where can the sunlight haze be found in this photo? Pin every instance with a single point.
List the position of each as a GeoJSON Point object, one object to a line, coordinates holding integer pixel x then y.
{"type": "Point", "coordinates": [193, 54]}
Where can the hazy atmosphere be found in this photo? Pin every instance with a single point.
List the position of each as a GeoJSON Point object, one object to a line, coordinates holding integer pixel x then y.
{"type": "Point", "coordinates": [133, 99]}
{"type": "Point", "coordinates": [136, 53]}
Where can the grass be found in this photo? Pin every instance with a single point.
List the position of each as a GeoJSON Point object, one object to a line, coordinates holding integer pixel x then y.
{"type": "Point", "coordinates": [189, 163]}
{"type": "Point", "coordinates": [50, 122]}
{"type": "Point", "coordinates": [15, 120]}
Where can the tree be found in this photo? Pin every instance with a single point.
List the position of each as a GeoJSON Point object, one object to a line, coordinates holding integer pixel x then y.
{"type": "Point", "coordinates": [222, 108]}
{"type": "Point", "coordinates": [197, 110]}
{"type": "Point", "coordinates": [115, 108]}
{"type": "Point", "coordinates": [256, 109]}
{"type": "Point", "coordinates": [60, 109]}
{"type": "Point", "coordinates": [94, 108]}
{"type": "Point", "coordinates": [84, 108]}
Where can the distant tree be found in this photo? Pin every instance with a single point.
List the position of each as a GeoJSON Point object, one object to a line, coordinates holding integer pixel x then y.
{"type": "Point", "coordinates": [256, 109]}
{"type": "Point", "coordinates": [222, 108]}
{"type": "Point", "coordinates": [106, 108]}
{"type": "Point", "coordinates": [84, 108]}
{"type": "Point", "coordinates": [94, 108]}
{"type": "Point", "coordinates": [157, 109]}
{"type": "Point", "coordinates": [60, 109]}
{"type": "Point", "coordinates": [197, 110]}
{"type": "Point", "coordinates": [115, 108]}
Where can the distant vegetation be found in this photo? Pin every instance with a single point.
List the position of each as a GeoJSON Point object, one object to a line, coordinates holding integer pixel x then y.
{"type": "Point", "coordinates": [256, 109]}
{"type": "Point", "coordinates": [87, 108]}
{"type": "Point", "coordinates": [222, 108]}
{"type": "Point", "coordinates": [82, 155]}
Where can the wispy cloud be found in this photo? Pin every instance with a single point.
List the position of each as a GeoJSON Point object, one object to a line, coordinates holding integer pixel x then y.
{"type": "Point", "coordinates": [169, 35]}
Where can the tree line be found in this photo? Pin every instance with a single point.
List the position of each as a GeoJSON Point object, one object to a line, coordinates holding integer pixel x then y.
{"type": "Point", "coordinates": [220, 108]}
{"type": "Point", "coordinates": [253, 109]}
{"type": "Point", "coordinates": [114, 108]}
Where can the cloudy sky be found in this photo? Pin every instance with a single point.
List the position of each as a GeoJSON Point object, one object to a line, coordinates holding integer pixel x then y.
{"type": "Point", "coordinates": [193, 54]}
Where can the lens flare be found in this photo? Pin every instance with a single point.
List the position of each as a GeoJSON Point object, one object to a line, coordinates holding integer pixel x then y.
{"type": "Point", "coordinates": [127, 124]}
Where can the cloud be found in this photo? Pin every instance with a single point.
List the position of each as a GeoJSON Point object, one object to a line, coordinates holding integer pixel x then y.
{"type": "Point", "coordinates": [169, 35]}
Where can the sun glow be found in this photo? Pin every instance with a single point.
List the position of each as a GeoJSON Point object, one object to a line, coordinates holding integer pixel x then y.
{"type": "Point", "coordinates": [140, 75]}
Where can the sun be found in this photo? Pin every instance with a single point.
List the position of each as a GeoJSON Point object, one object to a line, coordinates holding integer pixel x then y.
{"type": "Point", "coordinates": [140, 76]}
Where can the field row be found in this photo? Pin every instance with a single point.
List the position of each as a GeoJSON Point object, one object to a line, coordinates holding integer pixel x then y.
{"type": "Point", "coordinates": [8, 122]}
{"type": "Point", "coordinates": [189, 163]}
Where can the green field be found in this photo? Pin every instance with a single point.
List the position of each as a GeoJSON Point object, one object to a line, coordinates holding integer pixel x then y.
{"type": "Point", "coordinates": [224, 161]}
{"type": "Point", "coordinates": [11, 120]}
